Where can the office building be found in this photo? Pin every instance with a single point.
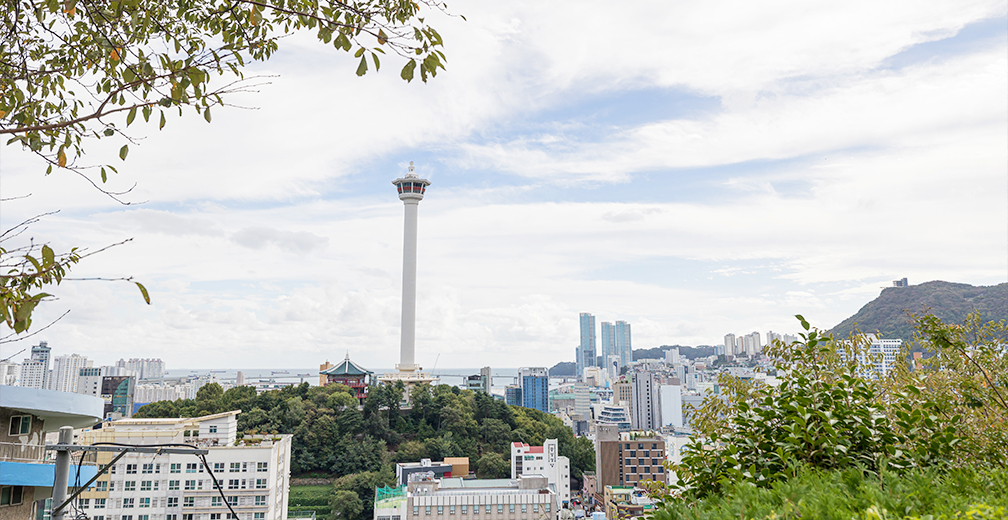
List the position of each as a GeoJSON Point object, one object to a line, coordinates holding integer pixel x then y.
{"type": "Point", "coordinates": [644, 409]}
{"type": "Point", "coordinates": [27, 471]}
{"type": "Point", "coordinates": [612, 415]}
{"type": "Point", "coordinates": [586, 349]}
{"type": "Point", "coordinates": [623, 345]}
{"type": "Point", "coordinates": [607, 341]}
{"type": "Point", "coordinates": [66, 371]}
{"type": "Point", "coordinates": [525, 498]}
{"type": "Point", "coordinates": [544, 461]}
{"type": "Point", "coordinates": [534, 383]}
{"type": "Point", "coordinates": [513, 395]}
{"type": "Point", "coordinates": [254, 472]}
{"type": "Point", "coordinates": [627, 458]}
{"type": "Point", "coordinates": [622, 393]}
{"type": "Point", "coordinates": [582, 401]}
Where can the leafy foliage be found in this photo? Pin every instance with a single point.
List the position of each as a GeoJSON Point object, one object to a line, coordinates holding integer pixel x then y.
{"type": "Point", "coordinates": [850, 494]}
{"type": "Point", "coordinates": [824, 414]}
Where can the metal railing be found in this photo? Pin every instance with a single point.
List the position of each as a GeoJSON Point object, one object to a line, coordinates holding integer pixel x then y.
{"type": "Point", "coordinates": [12, 451]}
{"type": "Point", "coordinates": [309, 515]}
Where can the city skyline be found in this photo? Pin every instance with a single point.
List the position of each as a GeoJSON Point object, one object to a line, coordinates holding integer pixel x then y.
{"type": "Point", "coordinates": [769, 165]}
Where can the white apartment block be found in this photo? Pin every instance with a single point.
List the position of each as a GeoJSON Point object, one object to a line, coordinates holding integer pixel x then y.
{"type": "Point", "coordinates": [66, 371]}
{"type": "Point", "coordinates": [644, 409]}
{"type": "Point", "coordinates": [881, 355]}
{"type": "Point", "coordinates": [34, 374]}
{"type": "Point", "coordinates": [10, 373]}
{"type": "Point", "coordinates": [545, 461]}
{"type": "Point", "coordinates": [254, 473]}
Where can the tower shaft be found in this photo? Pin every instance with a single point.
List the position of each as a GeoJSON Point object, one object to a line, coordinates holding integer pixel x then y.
{"type": "Point", "coordinates": [407, 345]}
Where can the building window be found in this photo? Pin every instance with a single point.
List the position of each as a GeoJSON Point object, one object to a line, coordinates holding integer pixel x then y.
{"type": "Point", "coordinates": [112, 470]}
{"type": "Point", "coordinates": [262, 467]}
{"type": "Point", "coordinates": [640, 446]}
{"type": "Point", "coordinates": [145, 485]}
{"type": "Point", "coordinates": [143, 517]}
{"type": "Point", "coordinates": [535, 508]}
{"type": "Point", "coordinates": [216, 502]}
{"type": "Point", "coordinates": [131, 469]}
{"type": "Point", "coordinates": [235, 467]}
{"type": "Point", "coordinates": [20, 425]}
{"type": "Point", "coordinates": [99, 503]}
{"type": "Point", "coordinates": [172, 501]}
{"type": "Point", "coordinates": [188, 516]}
{"type": "Point", "coordinates": [11, 495]}
{"type": "Point", "coordinates": [127, 517]}
{"type": "Point", "coordinates": [416, 510]}
{"type": "Point", "coordinates": [451, 510]}
{"type": "Point", "coordinates": [440, 510]}
{"type": "Point", "coordinates": [190, 485]}
{"type": "Point", "coordinates": [127, 503]}
{"type": "Point", "coordinates": [188, 502]}
{"type": "Point", "coordinates": [546, 506]}
{"type": "Point", "coordinates": [144, 502]}
{"type": "Point", "coordinates": [647, 469]}
{"type": "Point", "coordinates": [654, 446]}
{"type": "Point", "coordinates": [500, 508]}
{"type": "Point", "coordinates": [233, 484]}
{"type": "Point", "coordinates": [244, 467]}
{"type": "Point", "coordinates": [633, 453]}
{"type": "Point", "coordinates": [129, 485]}
{"type": "Point", "coordinates": [259, 516]}
{"type": "Point", "coordinates": [524, 509]}
{"type": "Point", "coordinates": [510, 508]}
{"type": "Point", "coordinates": [428, 510]}
{"type": "Point", "coordinates": [218, 467]}
{"type": "Point", "coordinates": [101, 485]}
{"type": "Point", "coordinates": [83, 503]}
{"type": "Point", "coordinates": [213, 429]}
{"type": "Point", "coordinates": [465, 510]}
{"type": "Point", "coordinates": [260, 483]}
{"type": "Point", "coordinates": [176, 468]}
{"type": "Point", "coordinates": [171, 517]}
{"type": "Point", "coordinates": [111, 485]}
{"type": "Point", "coordinates": [260, 500]}
{"type": "Point", "coordinates": [173, 485]}
{"type": "Point", "coordinates": [232, 500]}
{"type": "Point", "coordinates": [148, 468]}
{"type": "Point", "coordinates": [214, 516]}
{"type": "Point", "coordinates": [190, 467]}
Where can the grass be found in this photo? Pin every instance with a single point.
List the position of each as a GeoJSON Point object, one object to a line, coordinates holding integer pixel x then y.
{"type": "Point", "coordinates": [310, 498]}
{"type": "Point", "coordinates": [849, 494]}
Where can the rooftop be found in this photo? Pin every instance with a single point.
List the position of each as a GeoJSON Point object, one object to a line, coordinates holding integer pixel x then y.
{"type": "Point", "coordinates": [57, 409]}
{"type": "Point", "coordinates": [346, 368]}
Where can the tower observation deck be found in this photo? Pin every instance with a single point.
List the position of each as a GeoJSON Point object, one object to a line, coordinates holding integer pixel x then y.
{"type": "Point", "coordinates": [411, 190]}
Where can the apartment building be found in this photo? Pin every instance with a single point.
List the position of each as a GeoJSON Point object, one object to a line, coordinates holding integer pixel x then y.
{"type": "Point", "coordinates": [525, 498]}
{"type": "Point", "coordinates": [253, 472]}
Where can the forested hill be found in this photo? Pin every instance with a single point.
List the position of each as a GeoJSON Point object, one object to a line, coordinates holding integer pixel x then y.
{"type": "Point", "coordinates": [951, 302]}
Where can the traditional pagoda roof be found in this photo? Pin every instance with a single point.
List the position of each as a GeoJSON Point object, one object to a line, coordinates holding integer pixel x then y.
{"type": "Point", "coordinates": [346, 368]}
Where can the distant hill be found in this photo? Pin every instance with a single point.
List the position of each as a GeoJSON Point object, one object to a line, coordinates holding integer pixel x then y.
{"type": "Point", "coordinates": [563, 368]}
{"type": "Point", "coordinates": [951, 302]}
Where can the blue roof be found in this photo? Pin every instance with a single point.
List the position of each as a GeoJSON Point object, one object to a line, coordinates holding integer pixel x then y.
{"type": "Point", "coordinates": [38, 475]}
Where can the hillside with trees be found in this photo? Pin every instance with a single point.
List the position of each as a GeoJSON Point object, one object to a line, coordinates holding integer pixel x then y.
{"type": "Point", "coordinates": [950, 302]}
{"type": "Point", "coordinates": [358, 446]}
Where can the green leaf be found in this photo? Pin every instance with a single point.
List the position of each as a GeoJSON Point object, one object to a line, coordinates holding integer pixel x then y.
{"type": "Point", "coordinates": [407, 70]}
{"type": "Point", "coordinates": [161, 125]}
{"type": "Point", "coordinates": [362, 68]}
{"type": "Point", "coordinates": [48, 257]}
{"type": "Point", "coordinates": [109, 132]}
{"type": "Point", "coordinates": [377, 64]}
{"type": "Point", "coordinates": [131, 116]}
{"type": "Point", "coordinates": [206, 114]}
{"type": "Point", "coordinates": [123, 151]}
{"type": "Point", "coordinates": [143, 291]}
{"type": "Point", "coordinates": [104, 177]}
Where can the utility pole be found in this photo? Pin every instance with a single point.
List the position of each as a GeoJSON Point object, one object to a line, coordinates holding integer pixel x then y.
{"type": "Point", "coordinates": [62, 475]}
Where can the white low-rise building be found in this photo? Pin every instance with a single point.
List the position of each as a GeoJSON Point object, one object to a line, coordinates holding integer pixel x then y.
{"type": "Point", "coordinates": [525, 498]}
{"type": "Point", "coordinates": [253, 472]}
{"type": "Point", "coordinates": [542, 460]}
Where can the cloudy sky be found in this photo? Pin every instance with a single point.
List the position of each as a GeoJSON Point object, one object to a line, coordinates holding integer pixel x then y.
{"type": "Point", "coordinates": [693, 168]}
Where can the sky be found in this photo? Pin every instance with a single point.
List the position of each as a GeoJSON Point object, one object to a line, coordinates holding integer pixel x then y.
{"type": "Point", "coordinates": [692, 168]}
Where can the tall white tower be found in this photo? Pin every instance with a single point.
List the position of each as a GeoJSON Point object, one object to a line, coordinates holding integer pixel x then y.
{"type": "Point", "coordinates": [411, 191]}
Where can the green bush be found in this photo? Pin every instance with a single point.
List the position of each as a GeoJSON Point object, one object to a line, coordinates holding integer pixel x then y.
{"type": "Point", "coordinates": [845, 494]}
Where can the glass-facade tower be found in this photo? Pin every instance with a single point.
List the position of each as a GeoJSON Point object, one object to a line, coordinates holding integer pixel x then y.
{"type": "Point", "coordinates": [586, 350]}
{"type": "Point", "coordinates": [622, 340]}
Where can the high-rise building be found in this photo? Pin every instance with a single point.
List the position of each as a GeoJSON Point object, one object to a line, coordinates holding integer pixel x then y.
{"type": "Point", "coordinates": [644, 409]}
{"type": "Point", "coordinates": [144, 368]}
{"type": "Point", "coordinates": [729, 344]}
{"type": "Point", "coordinates": [880, 356]}
{"type": "Point", "coordinates": [534, 388]}
{"type": "Point", "coordinates": [35, 370]}
{"type": "Point", "coordinates": [623, 346]}
{"type": "Point", "coordinates": [513, 395]}
{"type": "Point", "coordinates": [586, 350]}
{"type": "Point", "coordinates": [670, 401]}
{"type": "Point", "coordinates": [607, 341]}
{"type": "Point", "coordinates": [66, 371]}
